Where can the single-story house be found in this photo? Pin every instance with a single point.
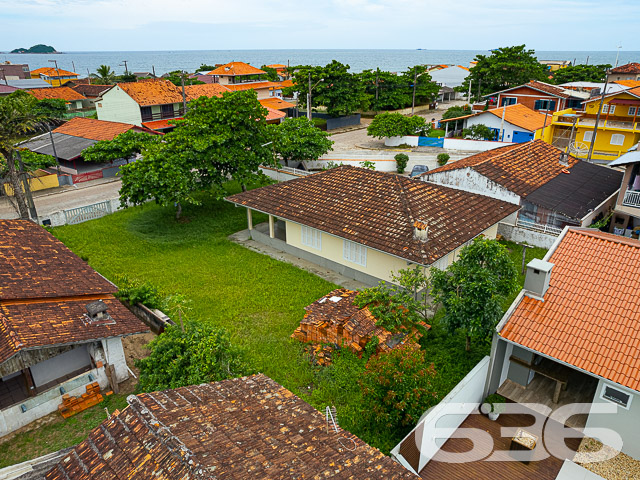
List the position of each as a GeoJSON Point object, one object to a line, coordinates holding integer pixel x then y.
{"type": "Point", "coordinates": [539, 96]}
{"type": "Point", "coordinates": [514, 123]}
{"type": "Point", "coordinates": [61, 328]}
{"type": "Point", "coordinates": [553, 190]}
{"type": "Point", "coordinates": [74, 100]}
{"type": "Point", "coordinates": [73, 137]}
{"type": "Point", "coordinates": [92, 92]}
{"type": "Point", "coordinates": [366, 224]}
{"type": "Point", "coordinates": [572, 334]}
{"type": "Point", "coordinates": [234, 429]}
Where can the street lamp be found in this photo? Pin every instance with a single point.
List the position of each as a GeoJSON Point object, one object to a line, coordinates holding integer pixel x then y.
{"type": "Point", "coordinates": [309, 95]}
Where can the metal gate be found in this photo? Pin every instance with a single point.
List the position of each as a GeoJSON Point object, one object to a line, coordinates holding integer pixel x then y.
{"type": "Point", "coordinates": [88, 212]}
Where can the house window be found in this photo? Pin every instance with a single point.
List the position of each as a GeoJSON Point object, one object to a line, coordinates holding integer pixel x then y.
{"type": "Point", "coordinates": [354, 252]}
{"type": "Point", "coordinates": [167, 111]}
{"type": "Point", "coordinates": [610, 109]}
{"type": "Point", "coordinates": [617, 139]}
{"type": "Point", "coordinates": [605, 108]}
{"type": "Point", "coordinates": [544, 105]}
{"type": "Point", "coordinates": [632, 111]}
{"type": "Point", "coordinates": [587, 137]}
{"type": "Point", "coordinates": [616, 396]}
{"type": "Point", "coordinates": [312, 237]}
{"type": "Point", "coordinates": [146, 113]}
{"type": "Point", "coordinates": [509, 101]}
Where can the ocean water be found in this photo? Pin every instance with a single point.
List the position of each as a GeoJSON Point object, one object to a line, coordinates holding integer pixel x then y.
{"type": "Point", "coordinates": [359, 60]}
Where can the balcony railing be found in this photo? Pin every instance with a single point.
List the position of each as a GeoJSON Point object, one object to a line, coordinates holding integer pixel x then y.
{"type": "Point", "coordinates": [162, 115]}
{"type": "Point", "coordinates": [631, 199]}
{"type": "Point", "coordinates": [538, 227]}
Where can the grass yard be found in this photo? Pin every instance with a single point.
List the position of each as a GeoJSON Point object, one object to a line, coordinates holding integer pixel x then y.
{"type": "Point", "coordinates": [259, 300]}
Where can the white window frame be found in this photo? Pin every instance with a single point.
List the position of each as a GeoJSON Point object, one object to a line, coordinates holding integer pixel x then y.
{"type": "Point", "coordinates": [605, 108]}
{"type": "Point", "coordinates": [612, 109]}
{"type": "Point", "coordinates": [619, 137]}
{"type": "Point", "coordinates": [354, 252]}
{"type": "Point", "coordinates": [311, 237]}
{"type": "Point", "coordinates": [588, 136]}
{"type": "Point", "coordinates": [632, 111]}
{"type": "Point", "coordinates": [604, 389]}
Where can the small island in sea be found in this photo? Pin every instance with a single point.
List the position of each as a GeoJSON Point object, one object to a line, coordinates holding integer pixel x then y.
{"type": "Point", "coordinates": [40, 48]}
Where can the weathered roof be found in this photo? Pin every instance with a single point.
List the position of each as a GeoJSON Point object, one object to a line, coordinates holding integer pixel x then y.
{"type": "Point", "coordinates": [64, 93]}
{"type": "Point", "coordinates": [92, 91]}
{"type": "Point", "coordinates": [517, 114]}
{"type": "Point", "coordinates": [520, 168]}
{"type": "Point", "coordinates": [52, 72]}
{"type": "Point", "coordinates": [554, 90]}
{"type": "Point", "coordinates": [234, 429]}
{"type": "Point", "coordinates": [206, 90]}
{"type": "Point", "coordinates": [273, 114]}
{"type": "Point", "coordinates": [35, 264]}
{"type": "Point", "coordinates": [253, 86]}
{"type": "Point", "coordinates": [589, 316]}
{"type": "Point", "coordinates": [68, 147]}
{"type": "Point", "coordinates": [276, 103]}
{"type": "Point", "coordinates": [93, 129]}
{"type": "Point", "coordinates": [580, 191]}
{"type": "Point", "coordinates": [632, 67]}
{"type": "Point", "coordinates": [379, 210]}
{"type": "Point", "coordinates": [152, 92]}
{"type": "Point", "coordinates": [236, 68]}
{"type": "Point", "coordinates": [6, 89]}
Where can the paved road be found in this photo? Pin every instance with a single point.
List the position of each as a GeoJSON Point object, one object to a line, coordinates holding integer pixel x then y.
{"type": "Point", "coordinates": [64, 198]}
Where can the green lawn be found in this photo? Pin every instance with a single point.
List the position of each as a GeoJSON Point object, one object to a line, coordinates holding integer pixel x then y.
{"type": "Point", "coordinates": [260, 301]}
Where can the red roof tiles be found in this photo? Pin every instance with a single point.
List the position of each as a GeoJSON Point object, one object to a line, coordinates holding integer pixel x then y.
{"type": "Point", "coordinates": [93, 129]}
{"type": "Point", "coordinates": [64, 93]}
{"type": "Point", "coordinates": [52, 72]}
{"type": "Point", "coordinates": [206, 90]}
{"type": "Point", "coordinates": [592, 325]}
{"type": "Point", "coordinates": [253, 86]}
{"type": "Point", "coordinates": [152, 92]}
{"type": "Point", "coordinates": [632, 67]}
{"type": "Point", "coordinates": [378, 210]}
{"type": "Point", "coordinates": [234, 429]}
{"type": "Point", "coordinates": [236, 68]}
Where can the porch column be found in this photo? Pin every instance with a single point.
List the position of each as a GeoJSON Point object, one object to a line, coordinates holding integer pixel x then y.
{"type": "Point", "coordinates": [249, 219]}
{"type": "Point", "coordinates": [271, 227]}
{"type": "Point", "coordinates": [31, 389]}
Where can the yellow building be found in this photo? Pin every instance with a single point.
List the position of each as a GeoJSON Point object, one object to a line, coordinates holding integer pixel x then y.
{"type": "Point", "coordinates": [618, 128]}
{"type": "Point", "coordinates": [56, 77]}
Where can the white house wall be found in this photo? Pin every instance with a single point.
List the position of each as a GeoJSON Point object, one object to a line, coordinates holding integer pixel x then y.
{"type": "Point", "coordinates": [117, 106]}
{"type": "Point", "coordinates": [114, 355]}
{"type": "Point", "coordinates": [469, 180]}
{"type": "Point", "coordinates": [491, 121]}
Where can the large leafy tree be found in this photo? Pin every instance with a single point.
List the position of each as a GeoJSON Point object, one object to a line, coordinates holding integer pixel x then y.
{"type": "Point", "coordinates": [386, 90]}
{"type": "Point", "coordinates": [272, 73]}
{"type": "Point", "coordinates": [581, 73]}
{"type": "Point", "coordinates": [52, 107]}
{"type": "Point", "coordinates": [506, 67]}
{"type": "Point", "coordinates": [426, 90]}
{"type": "Point", "coordinates": [218, 139]}
{"type": "Point", "coordinates": [457, 112]}
{"type": "Point", "coordinates": [19, 116]}
{"type": "Point", "coordinates": [125, 145]}
{"type": "Point", "coordinates": [104, 75]}
{"type": "Point", "coordinates": [395, 125]}
{"type": "Point", "coordinates": [297, 139]}
{"type": "Point", "coordinates": [473, 289]}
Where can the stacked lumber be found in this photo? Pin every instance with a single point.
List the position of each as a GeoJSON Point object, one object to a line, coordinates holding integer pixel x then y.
{"type": "Point", "coordinates": [72, 405]}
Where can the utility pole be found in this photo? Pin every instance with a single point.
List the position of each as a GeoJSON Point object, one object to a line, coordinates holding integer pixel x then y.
{"type": "Point", "coordinates": [504, 109]}
{"type": "Point", "coordinates": [617, 55]}
{"type": "Point", "coordinates": [53, 145]}
{"type": "Point", "coordinates": [4, 76]}
{"type": "Point", "coordinates": [126, 70]}
{"type": "Point", "coordinates": [309, 99]}
{"type": "Point", "coordinates": [74, 66]}
{"type": "Point", "coordinates": [469, 94]}
{"type": "Point", "coordinates": [184, 95]}
{"type": "Point", "coordinates": [88, 76]}
{"type": "Point", "coordinates": [595, 127]}
{"type": "Point", "coordinates": [153, 70]}
{"type": "Point", "coordinates": [377, 70]}
{"type": "Point", "coordinates": [415, 78]}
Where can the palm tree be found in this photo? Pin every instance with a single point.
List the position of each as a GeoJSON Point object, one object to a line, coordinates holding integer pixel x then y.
{"type": "Point", "coordinates": [104, 75]}
{"type": "Point", "coordinates": [19, 114]}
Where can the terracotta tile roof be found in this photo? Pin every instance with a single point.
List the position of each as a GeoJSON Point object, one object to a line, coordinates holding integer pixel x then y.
{"type": "Point", "coordinates": [35, 264]}
{"type": "Point", "coordinates": [27, 324]}
{"type": "Point", "coordinates": [236, 68]}
{"type": "Point", "coordinates": [52, 72]}
{"type": "Point", "coordinates": [92, 91]}
{"type": "Point", "coordinates": [64, 93]}
{"type": "Point", "coordinates": [152, 92]}
{"type": "Point", "coordinates": [540, 86]}
{"type": "Point", "coordinates": [253, 86]}
{"type": "Point", "coordinates": [521, 168]}
{"type": "Point", "coordinates": [592, 324]}
{"type": "Point", "coordinates": [378, 210]}
{"type": "Point", "coordinates": [206, 90]}
{"type": "Point", "coordinates": [277, 66]}
{"type": "Point", "coordinates": [286, 83]}
{"type": "Point", "coordinates": [628, 83]}
{"type": "Point", "coordinates": [94, 129]}
{"type": "Point", "coordinates": [273, 114]}
{"type": "Point", "coordinates": [234, 429]}
{"type": "Point", "coordinates": [632, 67]}
{"type": "Point", "coordinates": [517, 114]}
{"type": "Point", "coordinates": [160, 124]}
{"type": "Point", "coordinates": [276, 103]}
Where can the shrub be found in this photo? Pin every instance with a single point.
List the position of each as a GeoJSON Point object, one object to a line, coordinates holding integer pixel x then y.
{"type": "Point", "coordinates": [443, 158]}
{"type": "Point", "coordinates": [493, 403]}
{"type": "Point", "coordinates": [134, 291]}
{"type": "Point", "coordinates": [479, 132]}
{"type": "Point", "coordinates": [395, 125]}
{"type": "Point", "coordinates": [436, 133]}
{"type": "Point", "coordinates": [368, 164]}
{"type": "Point", "coordinates": [401, 162]}
{"type": "Point", "coordinates": [200, 354]}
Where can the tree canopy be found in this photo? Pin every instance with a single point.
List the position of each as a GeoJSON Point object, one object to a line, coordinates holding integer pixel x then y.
{"type": "Point", "coordinates": [272, 73]}
{"type": "Point", "coordinates": [52, 107]}
{"type": "Point", "coordinates": [506, 67]}
{"type": "Point", "coordinates": [104, 75]}
{"type": "Point", "coordinates": [473, 289]}
{"type": "Point", "coordinates": [457, 112]}
{"type": "Point", "coordinates": [218, 139]}
{"type": "Point", "coordinates": [479, 131]}
{"type": "Point", "coordinates": [297, 139]}
{"type": "Point", "coordinates": [175, 77]}
{"type": "Point", "coordinates": [125, 145]}
{"type": "Point", "coordinates": [395, 125]}
{"type": "Point", "coordinates": [581, 73]}
{"type": "Point", "coordinates": [396, 91]}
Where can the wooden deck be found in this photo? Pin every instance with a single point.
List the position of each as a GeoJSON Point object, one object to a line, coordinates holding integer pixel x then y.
{"type": "Point", "coordinates": [540, 468]}
{"type": "Point", "coordinates": [580, 389]}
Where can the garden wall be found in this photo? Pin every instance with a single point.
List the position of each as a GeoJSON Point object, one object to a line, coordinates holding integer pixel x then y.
{"type": "Point", "coordinates": [424, 441]}
{"type": "Point", "coordinates": [524, 235]}
{"type": "Point", "coordinates": [472, 145]}
{"type": "Point", "coordinates": [414, 141]}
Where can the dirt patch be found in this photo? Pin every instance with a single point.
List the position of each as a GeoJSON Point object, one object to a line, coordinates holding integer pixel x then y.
{"type": "Point", "coordinates": [135, 348]}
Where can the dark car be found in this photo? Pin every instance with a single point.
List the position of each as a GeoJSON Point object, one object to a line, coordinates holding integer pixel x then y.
{"type": "Point", "coordinates": [418, 170]}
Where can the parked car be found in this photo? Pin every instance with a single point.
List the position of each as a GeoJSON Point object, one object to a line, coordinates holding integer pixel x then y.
{"type": "Point", "coordinates": [418, 170]}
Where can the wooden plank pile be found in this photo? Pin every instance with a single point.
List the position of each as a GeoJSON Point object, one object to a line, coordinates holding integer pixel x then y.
{"type": "Point", "coordinates": [72, 405]}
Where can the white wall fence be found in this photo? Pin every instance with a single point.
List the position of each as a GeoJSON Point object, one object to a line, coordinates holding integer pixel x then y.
{"type": "Point", "coordinates": [518, 234]}
{"type": "Point", "coordinates": [81, 214]}
{"type": "Point", "coordinates": [441, 421]}
{"type": "Point", "coordinates": [472, 145]}
{"type": "Point", "coordinates": [283, 174]}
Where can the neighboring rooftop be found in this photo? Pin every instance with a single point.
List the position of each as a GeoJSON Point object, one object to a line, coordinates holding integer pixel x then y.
{"type": "Point", "coordinates": [93, 129]}
{"type": "Point", "coordinates": [64, 93]}
{"type": "Point", "coordinates": [379, 210]}
{"type": "Point", "coordinates": [28, 83]}
{"type": "Point", "coordinates": [234, 429]}
{"type": "Point", "coordinates": [53, 72]}
{"type": "Point", "coordinates": [276, 103]}
{"type": "Point", "coordinates": [236, 68]}
{"type": "Point", "coordinates": [206, 90]}
{"type": "Point", "coordinates": [592, 325]}
{"type": "Point", "coordinates": [632, 67]}
{"type": "Point", "coordinates": [253, 86]}
{"type": "Point", "coordinates": [554, 90]}
{"type": "Point", "coordinates": [517, 114]}
{"type": "Point", "coordinates": [152, 92]}
{"type": "Point", "coordinates": [521, 168]}
{"type": "Point", "coordinates": [91, 91]}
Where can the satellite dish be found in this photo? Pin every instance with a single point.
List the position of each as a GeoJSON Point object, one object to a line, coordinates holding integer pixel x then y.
{"type": "Point", "coordinates": [579, 149]}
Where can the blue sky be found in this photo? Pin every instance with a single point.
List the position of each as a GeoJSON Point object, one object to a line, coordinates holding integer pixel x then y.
{"type": "Point", "coordinates": [103, 25]}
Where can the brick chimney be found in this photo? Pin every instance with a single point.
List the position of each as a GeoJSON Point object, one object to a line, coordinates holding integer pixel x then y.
{"type": "Point", "coordinates": [420, 231]}
{"type": "Point", "coordinates": [536, 282]}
